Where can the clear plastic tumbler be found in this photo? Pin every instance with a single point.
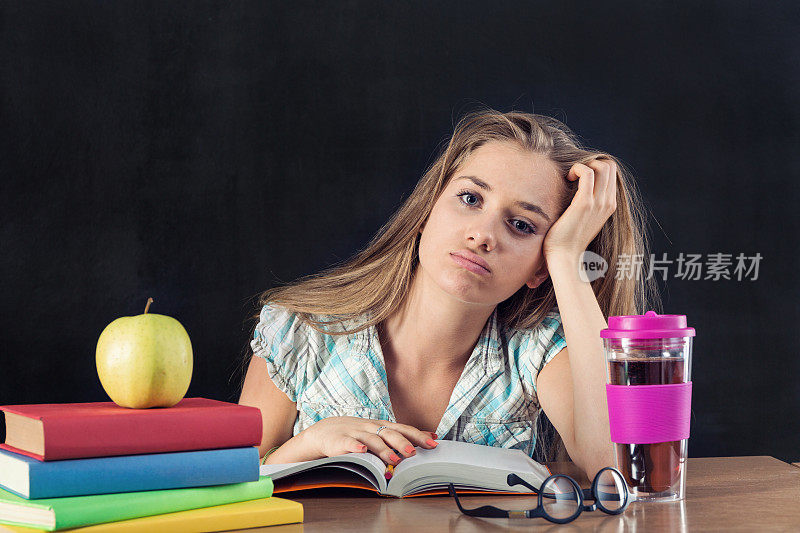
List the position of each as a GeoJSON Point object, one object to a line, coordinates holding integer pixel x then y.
{"type": "Point", "coordinates": [649, 390]}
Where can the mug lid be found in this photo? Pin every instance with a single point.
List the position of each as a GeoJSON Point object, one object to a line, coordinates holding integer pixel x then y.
{"type": "Point", "coordinates": [650, 325]}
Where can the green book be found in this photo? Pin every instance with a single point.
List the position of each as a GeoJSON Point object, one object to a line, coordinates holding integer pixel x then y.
{"type": "Point", "coordinates": [60, 513]}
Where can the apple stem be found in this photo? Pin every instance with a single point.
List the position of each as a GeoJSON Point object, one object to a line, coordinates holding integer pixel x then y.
{"type": "Point", "coordinates": [146, 307]}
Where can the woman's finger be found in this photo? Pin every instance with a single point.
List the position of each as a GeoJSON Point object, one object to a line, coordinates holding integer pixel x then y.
{"type": "Point", "coordinates": [612, 185]}
{"type": "Point", "coordinates": [608, 169]}
{"type": "Point", "coordinates": [351, 445]}
{"type": "Point", "coordinates": [416, 436]}
{"type": "Point", "coordinates": [585, 176]}
{"type": "Point", "coordinates": [378, 446]}
{"type": "Point", "coordinates": [601, 178]}
{"type": "Point", "coordinates": [398, 441]}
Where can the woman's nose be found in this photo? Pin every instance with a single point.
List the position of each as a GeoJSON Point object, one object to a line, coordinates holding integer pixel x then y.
{"type": "Point", "coordinates": [483, 233]}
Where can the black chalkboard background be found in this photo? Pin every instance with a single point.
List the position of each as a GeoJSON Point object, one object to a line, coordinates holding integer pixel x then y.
{"type": "Point", "coordinates": [198, 152]}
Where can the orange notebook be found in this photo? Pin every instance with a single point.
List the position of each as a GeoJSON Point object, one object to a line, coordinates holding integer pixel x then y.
{"type": "Point", "coordinates": [470, 467]}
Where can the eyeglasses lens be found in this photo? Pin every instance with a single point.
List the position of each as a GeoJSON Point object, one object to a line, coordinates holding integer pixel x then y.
{"type": "Point", "coordinates": [559, 498]}
{"type": "Point", "coordinates": [610, 490]}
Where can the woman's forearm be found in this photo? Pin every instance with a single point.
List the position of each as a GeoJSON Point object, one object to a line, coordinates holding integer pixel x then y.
{"type": "Point", "coordinates": [582, 320]}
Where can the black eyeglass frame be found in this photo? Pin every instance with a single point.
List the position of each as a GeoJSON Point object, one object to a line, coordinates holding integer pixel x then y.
{"type": "Point", "coordinates": [490, 511]}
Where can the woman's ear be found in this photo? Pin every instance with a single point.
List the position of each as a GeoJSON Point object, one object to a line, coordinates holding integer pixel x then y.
{"type": "Point", "coordinates": [538, 278]}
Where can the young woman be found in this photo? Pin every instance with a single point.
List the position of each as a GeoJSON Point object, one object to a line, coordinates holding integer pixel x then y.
{"type": "Point", "coordinates": [465, 316]}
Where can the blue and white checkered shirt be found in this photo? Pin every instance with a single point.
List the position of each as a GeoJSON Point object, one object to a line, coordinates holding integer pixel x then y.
{"type": "Point", "coordinates": [494, 402]}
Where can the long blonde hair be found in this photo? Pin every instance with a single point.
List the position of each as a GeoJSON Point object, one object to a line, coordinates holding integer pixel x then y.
{"type": "Point", "coordinates": [378, 278]}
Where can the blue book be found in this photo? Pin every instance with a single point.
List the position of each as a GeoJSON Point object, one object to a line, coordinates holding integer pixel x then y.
{"type": "Point", "coordinates": [33, 479]}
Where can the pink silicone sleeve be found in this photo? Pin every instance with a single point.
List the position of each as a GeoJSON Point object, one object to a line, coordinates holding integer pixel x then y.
{"type": "Point", "coordinates": [646, 414]}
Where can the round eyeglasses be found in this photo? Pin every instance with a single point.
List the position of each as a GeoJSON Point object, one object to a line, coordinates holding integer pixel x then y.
{"type": "Point", "coordinates": [561, 499]}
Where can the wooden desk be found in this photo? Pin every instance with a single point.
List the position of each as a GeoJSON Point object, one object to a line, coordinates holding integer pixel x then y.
{"type": "Point", "coordinates": [722, 494]}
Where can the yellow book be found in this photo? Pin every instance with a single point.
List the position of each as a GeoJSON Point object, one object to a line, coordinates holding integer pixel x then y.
{"type": "Point", "coordinates": [241, 515]}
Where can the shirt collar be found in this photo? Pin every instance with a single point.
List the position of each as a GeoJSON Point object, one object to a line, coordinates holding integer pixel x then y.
{"type": "Point", "coordinates": [487, 351]}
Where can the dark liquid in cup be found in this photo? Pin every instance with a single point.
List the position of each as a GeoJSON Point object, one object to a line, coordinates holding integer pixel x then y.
{"type": "Point", "coordinates": [648, 467]}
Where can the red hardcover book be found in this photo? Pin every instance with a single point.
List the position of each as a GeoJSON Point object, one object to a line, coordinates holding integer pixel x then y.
{"type": "Point", "coordinates": [50, 432]}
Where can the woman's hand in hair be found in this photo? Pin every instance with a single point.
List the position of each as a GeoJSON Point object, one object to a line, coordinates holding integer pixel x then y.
{"type": "Point", "coordinates": [593, 204]}
{"type": "Point", "coordinates": [346, 434]}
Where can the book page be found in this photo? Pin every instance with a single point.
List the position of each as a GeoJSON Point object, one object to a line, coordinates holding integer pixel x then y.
{"type": "Point", "coordinates": [330, 475]}
{"type": "Point", "coordinates": [366, 465]}
{"type": "Point", "coordinates": [25, 433]}
{"type": "Point", "coordinates": [464, 463]}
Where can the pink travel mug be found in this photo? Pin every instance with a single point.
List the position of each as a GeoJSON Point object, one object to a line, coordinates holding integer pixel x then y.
{"type": "Point", "coordinates": [649, 391]}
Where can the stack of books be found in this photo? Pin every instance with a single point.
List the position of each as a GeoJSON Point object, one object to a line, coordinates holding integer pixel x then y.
{"type": "Point", "coordinates": [100, 467]}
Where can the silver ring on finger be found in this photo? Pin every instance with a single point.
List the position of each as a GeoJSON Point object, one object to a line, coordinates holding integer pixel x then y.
{"type": "Point", "coordinates": [378, 431]}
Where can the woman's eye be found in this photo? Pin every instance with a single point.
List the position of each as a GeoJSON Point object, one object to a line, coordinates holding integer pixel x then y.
{"type": "Point", "coordinates": [470, 195]}
{"type": "Point", "coordinates": [519, 225]}
{"type": "Point", "coordinates": [525, 227]}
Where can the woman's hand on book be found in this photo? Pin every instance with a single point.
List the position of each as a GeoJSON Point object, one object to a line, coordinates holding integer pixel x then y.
{"type": "Point", "coordinates": [346, 434]}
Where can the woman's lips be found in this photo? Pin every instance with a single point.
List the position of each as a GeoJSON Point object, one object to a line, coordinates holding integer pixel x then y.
{"type": "Point", "coordinates": [469, 265]}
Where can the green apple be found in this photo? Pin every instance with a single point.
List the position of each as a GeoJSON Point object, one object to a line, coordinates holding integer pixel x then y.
{"type": "Point", "coordinates": [145, 360]}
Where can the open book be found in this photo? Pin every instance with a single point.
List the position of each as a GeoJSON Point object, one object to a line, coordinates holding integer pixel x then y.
{"type": "Point", "coordinates": [468, 466]}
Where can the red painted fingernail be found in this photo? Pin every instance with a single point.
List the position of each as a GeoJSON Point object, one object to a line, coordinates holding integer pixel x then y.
{"type": "Point", "coordinates": [431, 442]}
{"type": "Point", "coordinates": [409, 449]}
{"type": "Point", "coordinates": [434, 435]}
{"type": "Point", "coordinates": [394, 457]}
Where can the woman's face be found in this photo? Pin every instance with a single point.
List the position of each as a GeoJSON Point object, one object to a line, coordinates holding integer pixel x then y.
{"type": "Point", "coordinates": [489, 222]}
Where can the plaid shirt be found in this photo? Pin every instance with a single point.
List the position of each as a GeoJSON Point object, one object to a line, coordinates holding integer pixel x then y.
{"type": "Point", "coordinates": [494, 402]}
